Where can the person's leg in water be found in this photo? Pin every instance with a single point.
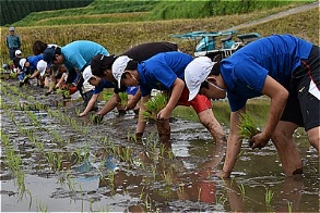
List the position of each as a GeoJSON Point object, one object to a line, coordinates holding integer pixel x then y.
{"type": "Point", "coordinates": [287, 148]}
{"type": "Point", "coordinates": [203, 107]}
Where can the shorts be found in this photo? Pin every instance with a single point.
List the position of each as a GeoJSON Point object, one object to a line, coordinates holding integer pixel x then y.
{"type": "Point", "coordinates": [200, 103]}
{"type": "Point", "coordinates": [302, 107]}
{"type": "Point", "coordinates": [21, 76]}
{"type": "Point", "coordinates": [132, 90]}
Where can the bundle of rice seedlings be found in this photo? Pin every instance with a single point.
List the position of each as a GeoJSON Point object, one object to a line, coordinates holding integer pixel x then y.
{"type": "Point", "coordinates": [107, 95]}
{"type": "Point", "coordinates": [154, 105]}
{"type": "Point", "coordinates": [65, 93]}
{"type": "Point", "coordinates": [124, 98]}
{"type": "Point", "coordinates": [247, 128]}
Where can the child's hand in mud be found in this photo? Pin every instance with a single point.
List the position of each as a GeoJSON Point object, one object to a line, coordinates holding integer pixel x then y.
{"type": "Point", "coordinates": [82, 114]}
{"type": "Point", "coordinates": [97, 119]}
{"type": "Point", "coordinates": [164, 114]}
{"type": "Point", "coordinates": [258, 141]}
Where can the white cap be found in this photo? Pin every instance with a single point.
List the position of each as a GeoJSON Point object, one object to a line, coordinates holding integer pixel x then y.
{"type": "Point", "coordinates": [87, 74]}
{"type": "Point", "coordinates": [17, 52]}
{"type": "Point", "coordinates": [41, 67]}
{"type": "Point", "coordinates": [11, 28]}
{"type": "Point", "coordinates": [22, 62]}
{"type": "Point", "coordinates": [195, 74]}
{"type": "Point", "coordinates": [119, 66]}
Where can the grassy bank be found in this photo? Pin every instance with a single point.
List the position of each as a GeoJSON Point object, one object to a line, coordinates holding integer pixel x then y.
{"type": "Point", "coordinates": [118, 37]}
{"type": "Point", "coordinates": [152, 10]}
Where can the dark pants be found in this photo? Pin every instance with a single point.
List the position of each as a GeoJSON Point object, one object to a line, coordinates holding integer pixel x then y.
{"type": "Point", "coordinates": [86, 98]}
{"type": "Point", "coordinates": [11, 53]}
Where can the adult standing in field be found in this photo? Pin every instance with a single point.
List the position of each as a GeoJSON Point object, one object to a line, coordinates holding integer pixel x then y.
{"type": "Point", "coordinates": [13, 42]}
{"type": "Point", "coordinates": [101, 67]}
{"type": "Point", "coordinates": [77, 54]}
{"type": "Point", "coordinates": [282, 67]}
{"type": "Point", "coordinates": [165, 72]}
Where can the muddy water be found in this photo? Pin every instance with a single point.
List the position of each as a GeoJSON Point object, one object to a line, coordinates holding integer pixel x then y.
{"type": "Point", "coordinates": [68, 164]}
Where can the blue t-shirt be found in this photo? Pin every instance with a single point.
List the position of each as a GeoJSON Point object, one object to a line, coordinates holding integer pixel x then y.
{"type": "Point", "coordinates": [246, 70]}
{"type": "Point", "coordinates": [33, 60]}
{"type": "Point", "coordinates": [161, 71]}
{"type": "Point", "coordinates": [106, 84]}
{"type": "Point", "coordinates": [103, 84]}
{"type": "Point", "coordinates": [79, 53]}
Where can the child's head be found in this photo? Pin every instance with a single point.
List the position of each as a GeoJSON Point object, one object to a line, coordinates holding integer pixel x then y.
{"type": "Point", "coordinates": [100, 64]}
{"type": "Point", "coordinates": [39, 47]}
{"type": "Point", "coordinates": [18, 53]}
{"type": "Point", "coordinates": [42, 67]}
{"type": "Point", "coordinates": [24, 63]}
{"type": "Point", "coordinates": [90, 78]}
{"type": "Point", "coordinates": [58, 57]}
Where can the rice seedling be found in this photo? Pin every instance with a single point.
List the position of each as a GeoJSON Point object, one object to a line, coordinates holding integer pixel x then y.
{"type": "Point", "coordinates": [42, 208]}
{"type": "Point", "coordinates": [268, 196]}
{"type": "Point", "coordinates": [199, 194]}
{"type": "Point", "coordinates": [111, 176]}
{"type": "Point", "coordinates": [70, 182]}
{"type": "Point", "coordinates": [124, 98]}
{"type": "Point", "coordinates": [63, 92]}
{"type": "Point", "coordinates": [247, 128]}
{"type": "Point", "coordinates": [242, 190]}
{"type": "Point", "coordinates": [289, 206]}
{"type": "Point", "coordinates": [220, 199]}
{"type": "Point", "coordinates": [154, 167]}
{"type": "Point", "coordinates": [154, 105]}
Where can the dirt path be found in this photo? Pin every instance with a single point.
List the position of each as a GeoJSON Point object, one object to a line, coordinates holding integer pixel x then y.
{"type": "Point", "coordinates": [278, 15]}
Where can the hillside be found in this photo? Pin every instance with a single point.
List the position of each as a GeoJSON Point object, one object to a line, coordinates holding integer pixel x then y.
{"type": "Point", "coordinates": [118, 37]}
{"type": "Point", "coordinates": [109, 11]}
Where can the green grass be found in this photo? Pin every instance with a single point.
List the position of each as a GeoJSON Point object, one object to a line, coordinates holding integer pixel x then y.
{"type": "Point", "coordinates": [99, 11]}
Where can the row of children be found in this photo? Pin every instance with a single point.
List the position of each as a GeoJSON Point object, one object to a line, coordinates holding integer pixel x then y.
{"type": "Point", "coordinates": [282, 67]}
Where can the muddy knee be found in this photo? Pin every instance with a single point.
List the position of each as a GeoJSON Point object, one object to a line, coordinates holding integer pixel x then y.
{"type": "Point", "coordinates": [315, 142]}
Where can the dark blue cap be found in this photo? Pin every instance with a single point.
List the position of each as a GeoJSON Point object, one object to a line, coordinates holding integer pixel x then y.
{"type": "Point", "coordinates": [48, 54]}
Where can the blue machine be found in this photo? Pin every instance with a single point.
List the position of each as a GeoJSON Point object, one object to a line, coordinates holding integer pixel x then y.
{"type": "Point", "coordinates": [206, 43]}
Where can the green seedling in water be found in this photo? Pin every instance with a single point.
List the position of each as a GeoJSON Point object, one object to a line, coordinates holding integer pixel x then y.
{"type": "Point", "coordinates": [63, 92]}
{"type": "Point", "coordinates": [70, 183]}
{"type": "Point", "coordinates": [221, 200]}
{"type": "Point", "coordinates": [268, 196]}
{"type": "Point", "coordinates": [242, 190]}
{"type": "Point", "coordinates": [154, 105]}
{"type": "Point", "coordinates": [289, 206]}
{"type": "Point", "coordinates": [42, 208]}
{"type": "Point", "coordinates": [154, 167]}
{"type": "Point", "coordinates": [199, 194]}
{"type": "Point", "coordinates": [247, 128]}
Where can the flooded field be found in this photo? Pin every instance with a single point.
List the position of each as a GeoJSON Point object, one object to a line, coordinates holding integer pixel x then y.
{"type": "Point", "coordinates": [53, 161]}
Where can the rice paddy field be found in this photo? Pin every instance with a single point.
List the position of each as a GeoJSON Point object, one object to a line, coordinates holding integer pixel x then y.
{"type": "Point", "coordinates": [54, 161]}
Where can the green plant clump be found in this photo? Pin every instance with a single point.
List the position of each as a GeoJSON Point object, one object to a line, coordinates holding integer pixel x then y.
{"type": "Point", "coordinates": [65, 93]}
{"type": "Point", "coordinates": [124, 98]}
{"type": "Point", "coordinates": [154, 105]}
{"type": "Point", "coordinates": [247, 128]}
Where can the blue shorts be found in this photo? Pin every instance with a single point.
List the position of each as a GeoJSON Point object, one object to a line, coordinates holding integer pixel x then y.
{"type": "Point", "coordinates": [132, 90]}
{"type": "Point", "coordinates": [21, 76]}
